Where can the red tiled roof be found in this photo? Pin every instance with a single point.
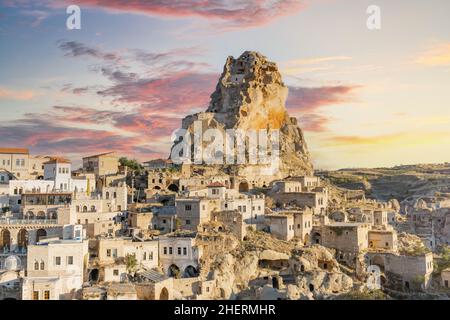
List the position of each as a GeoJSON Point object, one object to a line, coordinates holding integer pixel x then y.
{"type": "Point", "coordinates": [14, 150]}
{"type": "Point", "coordinates": [58, 160]}
{"type": "Point", "coordinates": [216, 184]}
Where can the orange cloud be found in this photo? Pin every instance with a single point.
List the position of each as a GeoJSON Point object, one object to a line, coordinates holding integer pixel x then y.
{"type": "Point", "coordinates": [10, 94]}
{"type": "Point", "coordinates": [439, 55]}
{"type": "Point", "coordinates": [399, 139]}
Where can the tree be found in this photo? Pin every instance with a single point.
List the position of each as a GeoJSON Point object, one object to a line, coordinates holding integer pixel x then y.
{"type": "Point", "coordinates": [131, 262]}
{"type": "Point", "coordinates": [130, 163]}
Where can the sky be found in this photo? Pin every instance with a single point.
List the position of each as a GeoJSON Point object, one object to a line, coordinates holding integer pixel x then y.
{"type": "Point", "coordinates": [124, 81]}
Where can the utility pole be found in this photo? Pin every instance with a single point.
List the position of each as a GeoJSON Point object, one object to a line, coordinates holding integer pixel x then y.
{"type": "Point", "coordinates": [132, 187]}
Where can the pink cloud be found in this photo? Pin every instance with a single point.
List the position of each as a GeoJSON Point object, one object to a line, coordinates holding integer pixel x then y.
{"type": "Point", "coordinates": [232, 12]}
{"type": "Point", "coordinates": [306, 102]}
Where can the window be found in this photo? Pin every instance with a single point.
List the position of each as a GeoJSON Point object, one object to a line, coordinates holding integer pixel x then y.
{"type": "Point", "coordinates": [179, 251]}
{"type": "Point", "coordinates": [35, 295]}
{"type": "Point", "coordinates": [108, 252]}
{"type": "Point", "coordinates": [188, 207]}
{"type": "Point", "coordinates": [115, 272]}
{"type": "Point", "coordinates": [144, 257]}
{"type": "Point", "coordinates": [70, 260]}
{"type": "Point", "coordinates": [170, 250]}
{"type": "Point", "coordinates": [164, 221]}
{"type": "Point", "coordinates": [58, 261]}
{"type": "Point", "coordinates": [188, 221]}
{"type": "Point", "coordinates": [150, 255]}
{"type": "Point", "coordinates": [115, 195]}
{"type": "Point", "coordinates": [46, 295]}
{"type": "Point", "coordinates": [36, 265]}
{"type": "Point", "coordinates": [165, 250]}
{"type": "Point", "coordinates": [114, 253]}
{"type": "Point", "coordinates": [42, 265]}
{"type": "Point", "coordinates": [185, 251]}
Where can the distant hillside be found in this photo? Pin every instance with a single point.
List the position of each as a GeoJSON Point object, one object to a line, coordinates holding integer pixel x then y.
{"type": "Point", "coordinates": [400, 182]}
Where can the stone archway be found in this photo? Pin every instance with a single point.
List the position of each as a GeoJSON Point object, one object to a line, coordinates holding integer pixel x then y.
{"type": "Point", "coordinates": [173, 187]}
{"type": "Point", "coordinates": [5, 238]}
{"type": "Point", "coordinates": [316, 238]}
{"type": "Point", "coordinates": [40, 233]}
{"type": "Point", "coordinates": [378, 261]}
{"type": "Point", "coordinates": [174, 271]}
{"type": "Point", "coordinates": [22, 239]}
{"type": "Point", "coordinates": [243, 186]}
{"type": "Point", "coordinates": [41, 215]}
{"type": "Point", "coordinates": [190, 272]}
{"type": "Point", "coordinates": [164, 295]}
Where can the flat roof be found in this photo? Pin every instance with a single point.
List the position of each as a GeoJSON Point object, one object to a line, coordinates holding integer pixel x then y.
{"type": "Point", "coordinates": [100, 154]}
{"type": "Point", "coordinates": [346, 224]}
{"type": "Point", "coordinates": [14, 150]}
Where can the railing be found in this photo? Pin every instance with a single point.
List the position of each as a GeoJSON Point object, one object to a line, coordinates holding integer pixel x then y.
{"type": "Point", "coordinates": [17, 252]}
{"type": "Point", "coordinates": [28, 221]}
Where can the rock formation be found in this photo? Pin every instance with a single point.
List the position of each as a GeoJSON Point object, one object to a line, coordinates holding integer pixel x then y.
{"type": "Point", "coordinates": [250, 95]}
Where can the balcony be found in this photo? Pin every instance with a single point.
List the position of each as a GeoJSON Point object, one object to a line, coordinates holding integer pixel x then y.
{"type": "Point", "coordinates": [27, 221]}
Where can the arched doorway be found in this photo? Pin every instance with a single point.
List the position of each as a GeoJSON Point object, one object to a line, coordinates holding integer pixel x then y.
{"type": "Point", "coordinates": [93, 275]}
{"type": "Point", "coordinates": [275, 283]}
{"type": "Point", "coordinates": [5, 238]}
{"type": "Point", "coordinates": [164, 295]}
{"type": "Point", "coordinates": [22, 239]}
{"type": "Point", "coordinates": [173, 187]}
{"type": "Point", "coordinates": [190, 272]}
{"type": "Point", "coordinates": [378, 261]}
{"type": "Point", "coordinates": [174, 271]}
{"type": "Point", "coordinates": [40, 233]}
{"type": "Point", "coordinates": [243, 186]}
{"type": "Point", "coordinates": [41, 215]}
{"type": "Point", "coordinates": [316, 238]}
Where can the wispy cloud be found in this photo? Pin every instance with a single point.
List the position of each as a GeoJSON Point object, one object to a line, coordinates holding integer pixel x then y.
{"type": "Point", "coordinates": [395, 139]}
{"type": "Point", "coordinates": [229, 13]}
{"type": "Point", "coordinates": [306, 65]}
{"type": "Point", "coordinates": [305, 103]}
{"type": "Point", "coordinates": [13, 94]}
{"type": "Point", "coordinates": [437, 55]}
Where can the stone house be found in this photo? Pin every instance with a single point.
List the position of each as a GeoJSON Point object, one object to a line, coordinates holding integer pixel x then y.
{"type": "Point", "coordinates": [179, 255]}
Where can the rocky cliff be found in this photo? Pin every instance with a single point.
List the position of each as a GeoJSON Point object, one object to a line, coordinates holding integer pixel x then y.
{"type": "Point", "coordinates": [250, 95]}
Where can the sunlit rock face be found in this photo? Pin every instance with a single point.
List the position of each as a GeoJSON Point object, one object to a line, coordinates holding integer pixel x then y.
{"type": "Point", "coordinates": [251, 95]}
